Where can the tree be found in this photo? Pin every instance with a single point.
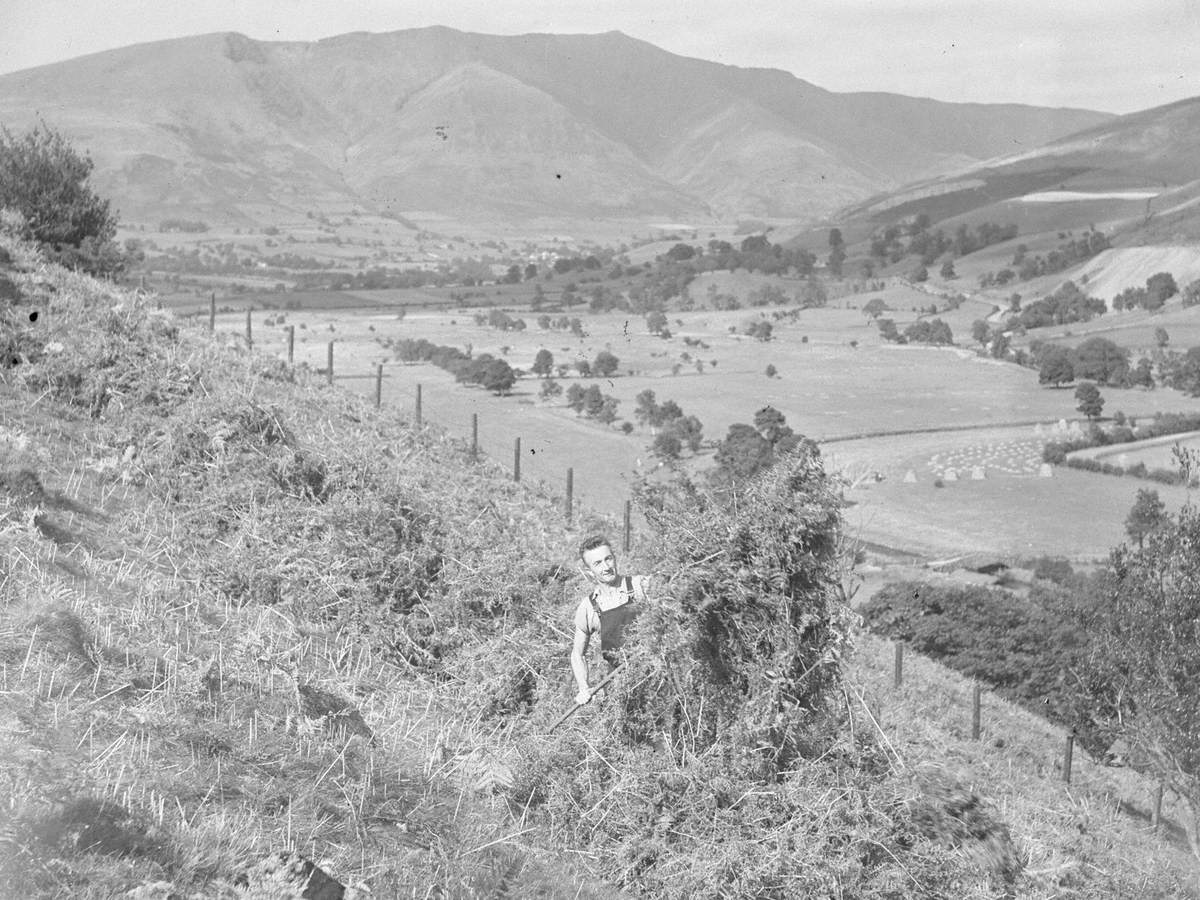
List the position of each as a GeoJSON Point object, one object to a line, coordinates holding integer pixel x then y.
{"type": "Point", "coordinates": [646, 410]}
{"type": "Point", "coordinates": [947, 270]}
{"type": "Point", "coordinates": [1099, 359]}
{"type": "Point", "coordinates": [593, 401]}
{"type": "Point", "coordinates": [888, 331]}
{"type": "Point", "coordinates": [667, 445]}
{"type": "Point", "coordinates": [744, 453]}
{"type": "Point", "coordinates": [1056, 368]}
{"type": "Point", "coordinates": [1090, 402]}
{"type": "Point", "coordinates": [656, 322]}
{"type": "Point", "coordinates": [1147, 629]}
{"type": "Point", "coordinates": [771, 424]}
{"type": "Point", "coordinates": [874, 308]}
{"type": "Point", "coordinates": [1160, 287]}
{"type": "Point", "coordinates": [1143, 374]}
{"type": "Point", "coordinates": [1161, 338]}
{"type": "Point", "coordinates": [575, 397]}
{"type": "Point", "coordinates": [543, 363]}
{"type": "Point", "coordinates": [498, 377]}
{"type": "Point", "coordinates": [980, 332]}
{"type": "Point", "coordinates": [584, 367]}
{"type": "Point", "coordinates": [771, 370]}
{"type": "Point", "coordinates": [45, 179]}
{"type": "Point", "coordinates": [608, 410]}
{"type": "Point", "coordinates": [551, 389]}
{"type": "Point", "coordinates": [1148, 514]}
{"type": "Point", "coordinates": [605, 364]}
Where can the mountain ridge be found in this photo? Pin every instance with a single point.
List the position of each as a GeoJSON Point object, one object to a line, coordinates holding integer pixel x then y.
{"type": "Point", "coordinates": [267, 128]}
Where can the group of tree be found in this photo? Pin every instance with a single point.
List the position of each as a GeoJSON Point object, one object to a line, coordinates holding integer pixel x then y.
{"type": "Point", "coordinates": [489, 372]}
{"type": "Point", "coordinates": [922, 331]}
{"type": "Point", "coordinates": [1096, 359]}
{"type": "Point", "coordinates": [1159, 288]}
{"type": "Point", "coordinates": [605, 365]}
{"type": "Point", "coordinates": [914, 238]}
{"type": "Point", "coordinates": [45, 179]}
{"type": "Point", "coordinates": [673, 430]}
{"type": "Point", "coordinates": [498, 318]}
{"type": "Point", "coordinates": [562, 323]}
{"type": "Point", "coordinates": [1066, 305]}
{"type": "Point", "coordinates": [759, 329]}
{"type": "Point", "coordinates": [748, 450]}
{"type": "Point", "coordinates": [591, 402]}
{"type": "Point", "coordinates": [1024, 267]}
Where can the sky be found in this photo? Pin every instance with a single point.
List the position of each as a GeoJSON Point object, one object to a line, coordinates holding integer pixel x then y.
{"type": "Point", "coordinates": [1110, 55]}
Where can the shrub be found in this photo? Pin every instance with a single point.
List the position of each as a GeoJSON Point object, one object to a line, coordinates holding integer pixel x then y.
{"type": "Point", "coordinates": [45, 179]}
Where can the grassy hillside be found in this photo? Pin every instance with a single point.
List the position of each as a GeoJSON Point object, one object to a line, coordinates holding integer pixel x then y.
{"type": "Point", "coordinates": [248, 615]}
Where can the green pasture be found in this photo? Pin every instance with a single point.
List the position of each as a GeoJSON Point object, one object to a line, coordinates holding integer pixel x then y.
{"type": "Point", "coordinates": [825, 388]}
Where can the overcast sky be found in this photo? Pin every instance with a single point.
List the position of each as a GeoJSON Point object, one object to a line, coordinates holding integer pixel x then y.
{"type": "Point", "coordinates": [1112, 55]}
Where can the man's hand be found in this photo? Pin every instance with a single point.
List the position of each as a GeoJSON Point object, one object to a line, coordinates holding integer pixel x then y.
{"type": "Point", "coordinates": [583, 697]}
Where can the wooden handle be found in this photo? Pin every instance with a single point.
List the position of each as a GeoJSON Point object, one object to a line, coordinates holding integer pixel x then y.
{"type": "Point", "coordinates": [591, 693]}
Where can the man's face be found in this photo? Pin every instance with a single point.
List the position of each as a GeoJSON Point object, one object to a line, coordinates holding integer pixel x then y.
{"type": "Point", "coordinates": [600, 564]}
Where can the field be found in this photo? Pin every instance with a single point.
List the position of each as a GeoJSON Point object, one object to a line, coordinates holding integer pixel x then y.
{"type": "Point", "coordinates": [836, 380]}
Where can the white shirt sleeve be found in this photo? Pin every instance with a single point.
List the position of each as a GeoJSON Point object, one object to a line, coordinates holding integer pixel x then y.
{"type": "Point", "coordinates": [586, 619]}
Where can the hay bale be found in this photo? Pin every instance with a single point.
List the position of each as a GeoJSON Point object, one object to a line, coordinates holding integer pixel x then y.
{"type": "Point", "coordinates": [910, 477]}
{"type": "Point", "coordinates": [1044, 471]}
{"type": "Point", "coordinates": [950, 475]}
{"type": "Point", "coordinates": [978, 473]}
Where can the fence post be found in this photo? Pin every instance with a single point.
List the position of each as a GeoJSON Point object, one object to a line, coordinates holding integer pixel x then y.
{"type": "Point", "coordinates": [417, 417]}
{"type": "Point", "coordinates": [1156, 813]}
{"type": "Point", "coordinates": [378, 385]}
{"type": "Point", "coordinates": [475, 436]}
{"type": "Point", "coordinates": [291, 344]}
{"type": "Point", "coordinates": [1068, 751]}
{"type": "Point", "coordinates": [898, 673]}
{"type": "Point", "coordinates": [975, 701]}
{"type": "Point", "coordinates": [627, 541]}
{"type": "Point", "coordinates": [249, 330]}
{"type": "Point", "coordinates": [570, 493]}
{"type": "Point", "coordinates": [329, 362]}
{"type": "Point", "coordinates": [517, 460]}
{"type": "Point", "coordinates": [212, 312]}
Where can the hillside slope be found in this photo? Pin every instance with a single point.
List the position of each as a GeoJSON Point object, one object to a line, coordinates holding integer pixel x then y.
{"type": "Point", "coordinates": [466, 124]}
{"type": "Point", "coordinates": [246, 613]}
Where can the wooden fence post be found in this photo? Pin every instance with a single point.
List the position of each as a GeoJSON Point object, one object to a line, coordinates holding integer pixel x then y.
{"type": "Point", "coordinates": [475, 436]}
{"type": "Point", "coordinates": [1156, 813]}
{"type": "Point", "coordinates": [212, 312]}
{"type": "Point", "coordinates": [291, 344]}
{"type": "Point", "coordinates": [419, 413]}
{"type": "Point", "coordinates": [249, 330]}
{"type": "Point", "coordinates": [975, 702]}
{"type": "Point", "coordinates": [517, 460]}
{"type": "Point", "coordinates": [627, 541]}
{"type": "Point", "coordinates": [378, 385]}
{"type": "Point", "coordinates": [329, 363]}
{"type": "Point", "coordinates": [1068, 752]}
{"type": "Point", "coordinates": [570, 493]}
{"type": "Point", "coordinates": [898, 671]}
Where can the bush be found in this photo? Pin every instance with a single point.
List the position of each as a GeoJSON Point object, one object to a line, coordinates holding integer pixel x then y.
{"type": "Point", "coordinates": [1024, 648]}
{"type": "Point", "coordinates": [44, 178]}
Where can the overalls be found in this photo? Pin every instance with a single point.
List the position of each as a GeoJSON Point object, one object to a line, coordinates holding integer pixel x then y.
{"type": "Point", "coordinates": [613, 622]}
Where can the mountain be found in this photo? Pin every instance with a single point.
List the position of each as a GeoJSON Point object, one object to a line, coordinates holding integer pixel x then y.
{"type": "Point", "coordinates": [465, 125]}
{"type": "Point", "coordinates": [1137, 174]}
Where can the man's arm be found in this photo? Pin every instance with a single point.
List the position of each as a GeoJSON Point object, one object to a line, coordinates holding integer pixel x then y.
{"type": "Point", "coordinates": [579, 664]}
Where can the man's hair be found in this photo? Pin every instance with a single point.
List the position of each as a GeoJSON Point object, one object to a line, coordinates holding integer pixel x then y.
{"type": "Point", "coordinates": [591, 543]}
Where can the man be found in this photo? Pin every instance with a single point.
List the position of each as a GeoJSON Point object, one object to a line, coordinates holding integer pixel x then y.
{"type": "Point", "coordinates": [607, 610]}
